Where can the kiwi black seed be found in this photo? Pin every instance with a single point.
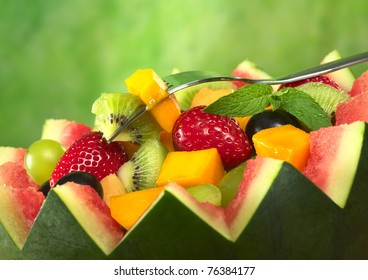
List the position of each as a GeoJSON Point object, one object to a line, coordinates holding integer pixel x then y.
{"type": "Point", "coordinates": [143, 128]}
{"type": "Point", "coordinates": [142, 170]}
{"type": "Point", "coordinates": [112, 109]}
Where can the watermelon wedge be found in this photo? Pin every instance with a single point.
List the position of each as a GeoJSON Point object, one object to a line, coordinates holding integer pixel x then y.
{"type": "Point", "coordinates": [352, 110]}
{"type": "Point", "coordinates": [74, 223]}
{"type": "Point", "coordinates": [18, 210]}
{"type": "Point", "coordinates": [334, 158]}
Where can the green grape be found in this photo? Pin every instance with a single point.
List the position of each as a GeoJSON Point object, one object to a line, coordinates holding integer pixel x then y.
{"type": "Point", "coordinates": [206, 193]}
{"type": "Point", "coordinates": [41, 159]}
{"type": "Point", "coordinates": [230, 182]}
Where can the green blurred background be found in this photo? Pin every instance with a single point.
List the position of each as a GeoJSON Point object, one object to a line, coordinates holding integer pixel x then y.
{"type": "Point", "coordinates": [56, 57]}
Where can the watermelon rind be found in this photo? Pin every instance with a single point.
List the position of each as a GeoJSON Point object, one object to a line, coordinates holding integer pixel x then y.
{"type": "Point", "coordinates": [8, 249]}
{"type": "Point", "coordinates": [295, 220]}
{"type": "Point", "coordinates": [171, 230]}
{"type": "Point", "coordinates": [353, 235]}
{"type": "Point", "coordinates": [56, 234]}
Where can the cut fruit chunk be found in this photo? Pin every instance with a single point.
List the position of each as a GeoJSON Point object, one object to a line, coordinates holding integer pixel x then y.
{"type": "Point", "coordinates": [112, 109]}
{"type": "Point", "coordinates": [166, 112]}
{"type": "Point", "coordinates": [12, 154]}
{"type": "Point", "coordinates": [148, 86]}
{"type": "Point", "coordinates": [64, 131]}
{"type": "Point", "coordinates": [18, 210]}
{"type": "Point", "coordinates": [354, 109]}
{"type": "Point", "coordinates": [201, 167]}
{"type": "Point", "coordinates": [360, 85]}
{"type": "Point", "coordinates": [206, 96]}
{"type": "Point", "coordinates": [249, 69]}
{"type": "Point", "coordinates": [126, 209]}
{"type": "Point", "coordinates": [285, 142]}
{"type": "Point", "coordinates": [326, 96]}
{"type": "Point", "coordinates": [334, 158]}
{"type": "Point", "coordinates": [112, 186]}
{"type": "Point", "coordinates": [142, 170]}
{"type": "Point", "coordinates": [16, 176]}
{"type": "Point", "coordinates": [343, 77]}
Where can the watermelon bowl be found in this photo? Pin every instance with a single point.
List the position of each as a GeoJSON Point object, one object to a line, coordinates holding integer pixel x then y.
{"type": "Point", "coordinates": [278, 210]}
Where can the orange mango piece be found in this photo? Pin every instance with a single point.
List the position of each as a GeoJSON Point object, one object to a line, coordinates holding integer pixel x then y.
{"type": "Point", "coordinates": [191, 168]}
{"type": "Point", "coordinates": [167, 140]}
{"type": "Point", "coordinates": [285, 142]}
{"type": "Point", "coordinates": [146, 84]}
{"type": "Point", "coordinates": [206, 96]}
{"type": "Point", "coordinates": [127, 208]}
{"type": "Point", "coordinates": [166, 113]}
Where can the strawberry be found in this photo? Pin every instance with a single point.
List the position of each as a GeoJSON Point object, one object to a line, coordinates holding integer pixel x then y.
{"type": "Point", "coordinates": [92, 154]}
{"type": "Point", "coordinates": [198, 130]}
{"type": "Point", "coordinates": [318, 79]}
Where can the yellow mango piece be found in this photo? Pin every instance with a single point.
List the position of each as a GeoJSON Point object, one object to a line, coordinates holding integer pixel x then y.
{"type": "Point", "coordinates": [191, 168]}
{"type": "Point", "coordinates": [206, 96]}
{"type": "Point", "coordinates": [286, 142]}
{"type": "Point", "coordinates": [127, 208]}
{"type": "Point", "coordinates": [111, 186]}
{"type": "Point", "coordinates": [146, 84]}
{"type": "Point", "coordinates": [166, 113]}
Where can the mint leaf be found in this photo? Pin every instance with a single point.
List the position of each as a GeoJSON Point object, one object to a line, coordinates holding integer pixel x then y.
{"type": "Point", "coordinates": [246, 101]}
{"type": "Point", "coordinates": [303, 107]}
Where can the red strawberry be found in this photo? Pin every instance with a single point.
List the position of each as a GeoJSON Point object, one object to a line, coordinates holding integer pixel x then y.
{"type": "Point", "coordinates": [91, 153]}
{"type": "Point", "coordinates": [318, 79]}
{"type": "Point", "coordinates": [197, 130]}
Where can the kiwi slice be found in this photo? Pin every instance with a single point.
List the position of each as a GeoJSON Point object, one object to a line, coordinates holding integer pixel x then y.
{"type": "Point", "coordinates": [326, 96]}
{"type": "Point", "coordinates": [143, 128]}
{"type": "Point", "coordinates": [142, 170]}
{"type": "Point", "coordinates": [111, 109]}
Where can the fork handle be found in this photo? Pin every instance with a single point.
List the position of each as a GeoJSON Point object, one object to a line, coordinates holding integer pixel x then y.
{"type": "Point", "coordinates": [308, 73]}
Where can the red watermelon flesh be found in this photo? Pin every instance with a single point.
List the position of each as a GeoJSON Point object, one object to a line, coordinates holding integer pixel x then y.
{"type": "Point", "coordinates": [334, 157]}
{"type": "Point", "coordinates": [12, 154]}
{"type": "Point", "coordinates": [354, 109]}
{"type": "Point", "coordinates": [16, 176]}
{"type": "Point", "coordinates": [18, 209]}
{"type": "Point", "coordinates": [360, 85]}
{"type": "Point", "coordinates": [64, 131]}
{"type": "Point", "coordinates": [92, 213]}
{"type": "Point", "coordinates": [248, 69]}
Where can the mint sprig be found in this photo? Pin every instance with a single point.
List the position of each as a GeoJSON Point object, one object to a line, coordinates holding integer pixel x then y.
{"type": "Point", "coordinates": [253, 99]}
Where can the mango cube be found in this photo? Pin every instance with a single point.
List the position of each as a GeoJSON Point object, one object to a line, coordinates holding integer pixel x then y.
{"type": "Point", "coordinates": [166, 113]}
{"type": "Point", "coordinates": [285, 142]}
{"type": "Point", "coordinates": [146, 84]}
{"type": "Point", "coordinates": [191, 168]}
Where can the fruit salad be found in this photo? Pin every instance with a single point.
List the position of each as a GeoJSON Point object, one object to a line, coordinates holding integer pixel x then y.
{"type": "Point", "coordinates": [218, 171]}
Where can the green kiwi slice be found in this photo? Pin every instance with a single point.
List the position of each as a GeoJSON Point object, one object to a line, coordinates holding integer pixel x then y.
{"type": "Point", "coordinates": [111, 109]}
{"type": "Point", "coordinates": [142, 170]}
{"type": "Point", "coordinates": [326, 96]}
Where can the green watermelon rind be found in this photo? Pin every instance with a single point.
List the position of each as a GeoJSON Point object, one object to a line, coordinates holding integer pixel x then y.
{"type": "Point", "coordinates": [294, 220]}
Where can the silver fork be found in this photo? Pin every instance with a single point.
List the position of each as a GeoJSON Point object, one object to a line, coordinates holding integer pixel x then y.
{"type": "Point", "coordinates": [182, 80]}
